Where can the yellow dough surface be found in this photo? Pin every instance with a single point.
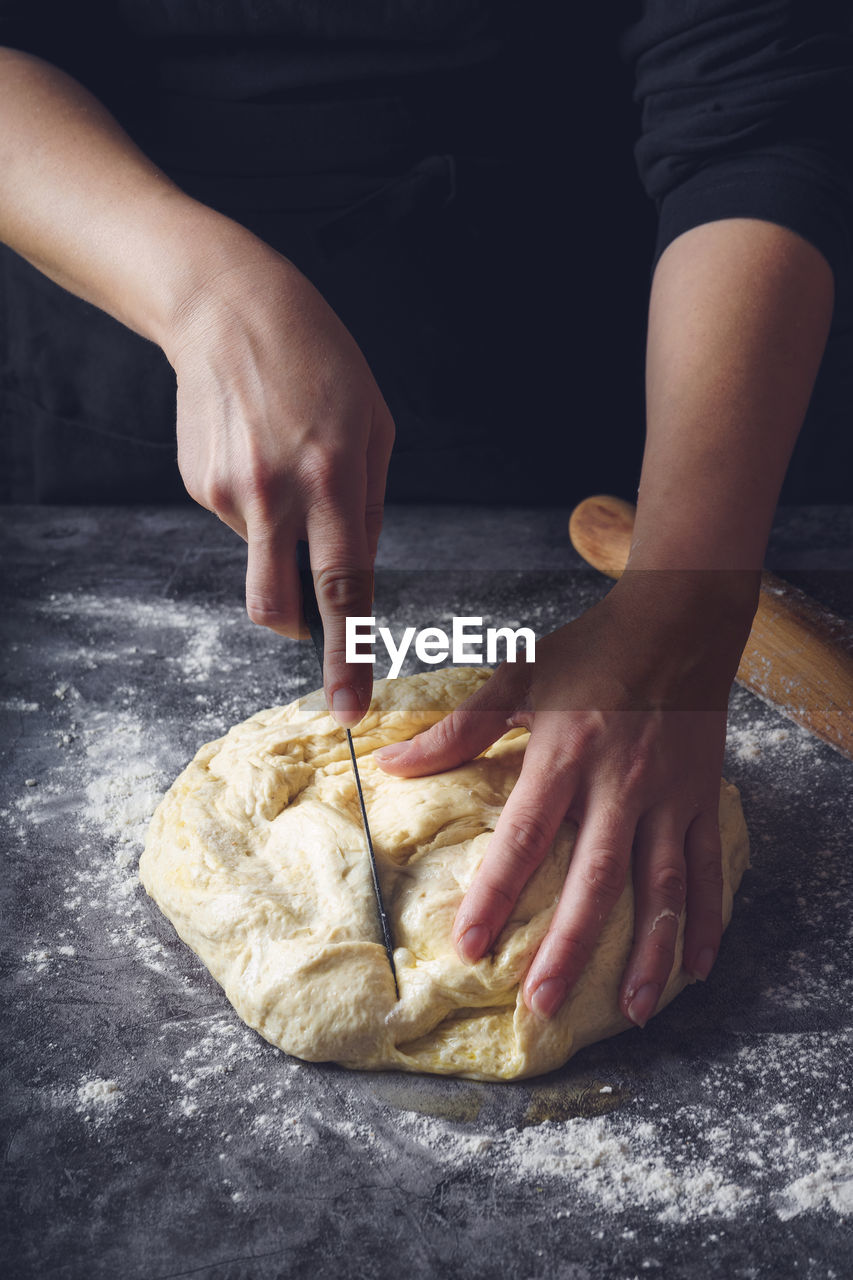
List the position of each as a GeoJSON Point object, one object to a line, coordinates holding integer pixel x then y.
{"type": "Point", "coordinates": [257, 856]}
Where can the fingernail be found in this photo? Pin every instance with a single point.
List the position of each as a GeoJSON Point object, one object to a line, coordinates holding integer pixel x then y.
{"type": "Point", "coordinates": [391, 752]}
{"type": "Point", "coordinates": [346, 706]}
{"type": "Point", "coordinates": [703, 965]}
{"type": "Point", "coordinates": [473, 944]}
{"type": "Point", "coordinates": [548, 997]}
{"type": "Point", "coordinates": [644, 1003]}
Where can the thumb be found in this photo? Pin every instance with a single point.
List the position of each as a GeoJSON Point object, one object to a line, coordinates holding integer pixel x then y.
{"type": "Point", "coordinates": [469, 728]}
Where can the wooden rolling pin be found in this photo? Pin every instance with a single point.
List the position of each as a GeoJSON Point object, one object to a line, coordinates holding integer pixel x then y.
{"type": "Point", "coordinates": [799, 656]}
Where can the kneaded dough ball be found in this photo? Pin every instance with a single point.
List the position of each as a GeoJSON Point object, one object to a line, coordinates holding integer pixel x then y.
{"type": "Point", "coordinates": [257, 856]}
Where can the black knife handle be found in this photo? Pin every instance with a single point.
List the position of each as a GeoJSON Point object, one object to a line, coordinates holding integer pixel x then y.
{"type": "Point", "coordinates": [309, 601]}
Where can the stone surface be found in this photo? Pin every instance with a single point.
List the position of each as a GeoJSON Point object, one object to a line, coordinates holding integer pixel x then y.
{"type": "Point", "coordinates": [147, 1133]}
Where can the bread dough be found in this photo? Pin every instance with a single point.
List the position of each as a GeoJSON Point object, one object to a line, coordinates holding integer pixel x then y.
{"type": "Point", "coordinates": [257, 856]}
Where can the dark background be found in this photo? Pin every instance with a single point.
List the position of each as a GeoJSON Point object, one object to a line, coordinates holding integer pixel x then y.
{"type": "Point", "coordinates": [502, 310]}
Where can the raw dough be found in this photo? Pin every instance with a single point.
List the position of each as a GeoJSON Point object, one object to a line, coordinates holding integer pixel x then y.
{"type": "Point", "coordinates": [257, 856]}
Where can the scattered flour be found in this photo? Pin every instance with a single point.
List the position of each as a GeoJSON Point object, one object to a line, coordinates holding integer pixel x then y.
{"type": "Point", "coordinates": [828, 1185]}
{"type": "Point", "coordinates": [38, 958]}
{"type": "Point", "coordinates": [118, 764]}
{"type": "Point", "coordinates": [203, 651]}
{"type": "Point", "coordinates": [98, 1091]}
{"type": "Point", "coordinates": [784, 1147]}
{"type": "Point", "coordinates": [95, 1098]}
{"type": "Point", "coordinates": [18, 705]}
{"type": "Point", "coordinates": [124, 784]}
{"type": "Point", "coordinates": [752, 741]}
{"type": "Point", "coordinates": [98, 894]}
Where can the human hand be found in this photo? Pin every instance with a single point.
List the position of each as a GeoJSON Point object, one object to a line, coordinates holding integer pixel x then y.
{"type": "Point", "coordinates": [283, 433]}
{"type": "Point", "coordinates": [626, 708]}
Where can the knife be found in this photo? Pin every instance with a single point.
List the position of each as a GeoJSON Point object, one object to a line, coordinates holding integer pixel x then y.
{"type": "Point", "coordinates": [315, 626]}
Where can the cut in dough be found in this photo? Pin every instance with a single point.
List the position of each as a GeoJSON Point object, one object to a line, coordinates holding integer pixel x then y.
{"type": "Point", "coordinates": [257, 856]}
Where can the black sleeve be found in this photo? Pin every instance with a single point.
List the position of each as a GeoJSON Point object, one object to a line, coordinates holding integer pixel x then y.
{"type": "Point", "coordinates": [747, 111]}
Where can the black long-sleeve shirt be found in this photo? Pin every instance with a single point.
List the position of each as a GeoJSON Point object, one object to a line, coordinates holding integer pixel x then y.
{"type": "Point", "coordinates": [287, 115]}
{"type": "Point", "coordinates": [746, 108]}
{"type": "Point", "coordinates": [747, 111]}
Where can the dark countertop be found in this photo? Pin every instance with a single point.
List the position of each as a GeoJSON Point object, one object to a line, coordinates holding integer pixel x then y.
{"type": "Point", "coordinates": [148, 1133]}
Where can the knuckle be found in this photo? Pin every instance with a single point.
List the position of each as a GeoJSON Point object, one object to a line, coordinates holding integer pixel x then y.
{"type": "Point", "coordinates": [636, 774]}
{"type": "Point", "coordinates": [603, 872]}
{"type": "Point", "coordinates": [581, 734]}
{"type": "Point", "coordinates": [573, 949]}
{"type": "Point", "coordinates": [442, 736]}
{"type": "Point", "coordinates": [255, 479]}
{"type": "Point", "coordinates": [505, 692]}
{"type": "Point", "coordinates": [663, 957]}
{"type": "Point", "coordinates": [610, 819]}
{"type": "Point", "coordinates": [343, 590]}
{"type": "Point", "coordinates": [335, 663]}
{"type": "Point", "coordinates": [660, 946]}
{"type": "Point", "coordinates": [260, 497]}
{"type": "Point", "coordinates": [213, 490]}
{"type": "Point", "coordinates": [373, 516]}
{"type": "Point", "coordinates": [506, 898]}
{"type": "Point", "coordinates": [527, 838]}
{"type": "Point", "coordinates": [708, 883]}
{"type": "Point", "coordinates": [706, 870]}
{"type": "Point", "coordinates": [320, 468]}
{"type": "Point", "coordinates": [668, 886]}
{"type": "Point", "coordinates": [217, 495]}
{"type": "Point", "coordinates": [655, 961]}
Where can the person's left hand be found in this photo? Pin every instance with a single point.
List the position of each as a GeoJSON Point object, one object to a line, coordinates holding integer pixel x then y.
{"type": "Point", "coordinates": [626, 708]}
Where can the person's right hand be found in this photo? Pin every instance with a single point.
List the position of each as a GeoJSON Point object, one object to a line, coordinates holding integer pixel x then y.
{"type": "Point", "coordinates": [282, 430]}
{"type": "Point", "coordinates": [283, 433]}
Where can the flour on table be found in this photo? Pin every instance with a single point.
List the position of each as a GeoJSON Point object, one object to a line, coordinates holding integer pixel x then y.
{"type": "Point", "coordinates": [828, 1185]}
{"type": "Point", "coordinates": [97, 1092]}
{"type": "Point", "coordinates": [756, 740]}
{"type": "Point", "coordinates": [771, 1116]}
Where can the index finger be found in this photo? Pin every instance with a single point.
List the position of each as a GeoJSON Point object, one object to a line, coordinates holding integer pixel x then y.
{"type": "Point", "coordinates": [595, 881]}
{"type": "Point", "coordinates": [342, 568]}
{"type": "Point", "coordinates": [523, 835]}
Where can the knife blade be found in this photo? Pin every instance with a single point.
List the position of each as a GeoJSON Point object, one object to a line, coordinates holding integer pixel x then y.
{"type": "Point", "coordinates": [311, 609]}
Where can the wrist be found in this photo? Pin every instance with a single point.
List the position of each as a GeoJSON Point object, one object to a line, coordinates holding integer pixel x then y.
{"type": "Point", "coordinates": [729, 596]}
{"type": "Point", "coordinates": [196, 248]}
{"type": "Point", "coordinates": [687, 627]}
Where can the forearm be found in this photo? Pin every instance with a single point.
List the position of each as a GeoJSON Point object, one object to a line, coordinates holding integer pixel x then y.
{"type": "Point", "coordinates": [738, 320]}
{"type": "Point", "coordinates": [80, 201]}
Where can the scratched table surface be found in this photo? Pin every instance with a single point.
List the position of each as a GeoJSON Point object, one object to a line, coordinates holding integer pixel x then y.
{"type": "Point", "coordinates": [148, 1133]}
